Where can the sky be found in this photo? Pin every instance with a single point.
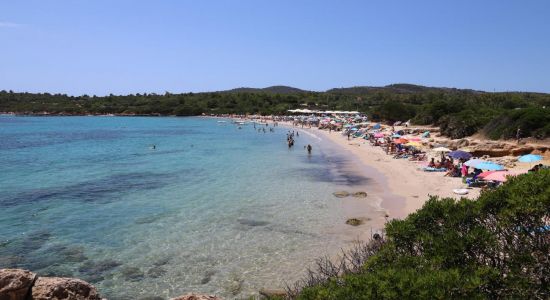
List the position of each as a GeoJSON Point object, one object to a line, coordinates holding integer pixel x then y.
{"type": "Point", "coordinates": [122, 47]}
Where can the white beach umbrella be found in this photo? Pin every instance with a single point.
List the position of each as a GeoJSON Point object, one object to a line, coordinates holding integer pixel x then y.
{"type": "Point", "coordinates": [441, 149]}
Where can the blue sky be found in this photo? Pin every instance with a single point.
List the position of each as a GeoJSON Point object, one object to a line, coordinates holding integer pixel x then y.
{"type": "Point", "coordinates": [120, 47]}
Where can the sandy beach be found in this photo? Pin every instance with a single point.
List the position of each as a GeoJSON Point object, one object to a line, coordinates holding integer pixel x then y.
{"type": "Point", "coordinates": [410, 186]}
{"type": "Point", "coordinates": [403, 187]}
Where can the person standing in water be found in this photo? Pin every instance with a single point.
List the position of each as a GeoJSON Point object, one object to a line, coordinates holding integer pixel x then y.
{"type": "Point", "coordinates": [309, 149]}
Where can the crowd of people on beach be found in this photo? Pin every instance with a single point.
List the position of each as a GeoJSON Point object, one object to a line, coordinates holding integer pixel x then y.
{"type": "Point", "coordinates": [412, 144]}
{"type": "Point", "coordinates": [404, 143]}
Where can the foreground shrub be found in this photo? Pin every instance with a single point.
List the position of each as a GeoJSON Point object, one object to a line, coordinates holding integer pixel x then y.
{"type": "Point", "coordinates": [494, 247]}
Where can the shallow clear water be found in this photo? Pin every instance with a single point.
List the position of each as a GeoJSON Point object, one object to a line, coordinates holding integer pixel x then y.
{"type": "Point", "coordinates": [212, 209]}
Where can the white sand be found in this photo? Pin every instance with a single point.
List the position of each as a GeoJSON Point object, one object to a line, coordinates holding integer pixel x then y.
{"type": "Point", "coordinates": [404, 188]}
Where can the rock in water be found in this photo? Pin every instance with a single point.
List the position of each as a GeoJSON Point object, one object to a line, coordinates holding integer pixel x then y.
{"type": "Point", "coordinates": [354, 222]}
{"type": "Point", "coordinates": [196, 297]}
{"type": "Point", "coordinates": [15, 284]}
{"type": "Point", "coordinates": [252, 223]}
{"type": "Point", "coordinates": [360, 195]}
{"type": "Point", "coordinates": [273, 293]}
{"type": "Point", "coordinates": [46, 288]}
{"type": "Point", "coordinates": [341, 194]}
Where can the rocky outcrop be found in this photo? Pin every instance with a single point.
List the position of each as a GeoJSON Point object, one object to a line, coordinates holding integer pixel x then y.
{"type": "Point", "coordinates": [196, 297]}
{"type": "Point", "coordinates": [18, 284]}
{"type": "Point", "coordinates": [480, 148]}
{"type": "Point", "coordinates": [15, 284]}
{"type": "Point", "coordinates": [63, 289]}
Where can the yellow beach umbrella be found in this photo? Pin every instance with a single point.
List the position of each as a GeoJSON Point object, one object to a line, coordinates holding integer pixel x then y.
{"type": "Point", "coordinates": [414, 144]}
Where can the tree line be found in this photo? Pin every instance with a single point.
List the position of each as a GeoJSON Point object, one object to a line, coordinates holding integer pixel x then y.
{"type": "Point", "coordinates": [458, 113]}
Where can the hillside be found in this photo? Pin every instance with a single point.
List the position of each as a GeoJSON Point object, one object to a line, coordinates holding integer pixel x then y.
{"type": "Point", "coordinates": [458, 112]}
{"type": "Point", "coordinates": [276, 89]}
{"type": "Point", "coordinates": [398, 88]}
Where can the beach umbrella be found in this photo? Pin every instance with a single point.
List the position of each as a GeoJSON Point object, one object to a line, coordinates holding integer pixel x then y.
{"type": "Point", "coordinates": [501, 176]}
{"type": "Point", "coordinates": [490, 166]}
{"type": "Point", "coordinates": [378, 135]}
{"type": "Point", "coordinates": [474, 162]}
{"type": "Point", "coordinates": [485, 174]}
{"type": "Point", "coordinates": [415, 139]}
{"type": "Point", "coordinates": [396, 135]}
{"type": "Point", "coordinates": [376, 126]}
{"type": "Point", "coordinates": [458, 154]}
{"type": "Point", "coordinates": [414, 144]}
{"type": "Point", "coordinates": [441, 149]}
{"type": "Point", "coordinates": [529, 158]}
{"type": "Point", "coordinates": [426, 134]}
{"type": "Point", "coordinates": [400, 141]}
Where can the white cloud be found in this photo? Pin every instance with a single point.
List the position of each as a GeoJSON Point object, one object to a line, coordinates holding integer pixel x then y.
{"type": "Point", "coordinates": [9, 24]}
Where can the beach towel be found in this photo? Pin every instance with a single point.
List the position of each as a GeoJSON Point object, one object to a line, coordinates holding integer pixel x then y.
{"type": "Point", "coordinates": [430, 169]}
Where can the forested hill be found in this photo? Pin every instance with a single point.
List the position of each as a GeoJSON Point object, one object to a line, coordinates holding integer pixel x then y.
{"type": "Point", "coordinates": [276, 89]}
{"type": "Point", "coordinates": [398, 88]}
{"type": "Point", "coordinates": [458, 112]}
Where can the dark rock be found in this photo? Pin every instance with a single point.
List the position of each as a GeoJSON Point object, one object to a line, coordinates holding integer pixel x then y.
{"type": "Point", "coordinates": [354, 222]}
{"type": "Point", "coordinates": [34, 241]}
{"type": "Point", "coordinates": [10, 261]}
{"type": "Point", "coordinates": [156, 272]}
{"type": "Point", "coordinates": [360, 195]}
{"type": "Point", "coordinates": [15, 284]}
{"type": "Point", "coordinates": [46, 288]}
{"type": "Point", "coordinates": [90, 267]}
{"type": "Point", "coordinates": [341, 194]}
{"type": "Point", "coordinates": [272, 293]}
{"type": "Point", "coordinates": [132, 273]}
{"type": "Point", "coordinates": [69, 253]}
{"type": "Point", "coordinates": [207, 277]}
{"type": "Point", "coordinates": [196, 297]}
{"type": "Point", "coordinates": [161, 261]}
{"type": "Point", "coordinates": [252, 223]}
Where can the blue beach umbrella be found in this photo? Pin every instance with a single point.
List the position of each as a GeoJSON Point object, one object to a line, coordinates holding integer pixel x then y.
{"type": "Point", "coordinates": [376, 126]}
{"type": "Point", "coordinates": [396, 135]}
{"type": "Point", "coordinates": [474, 162]}
{"type": "Point", "coordinates": [490, 166]}
{"type": "Point", "coordinates": [458, 154]}
{"type": "Point", "coordinates": [529, 158]}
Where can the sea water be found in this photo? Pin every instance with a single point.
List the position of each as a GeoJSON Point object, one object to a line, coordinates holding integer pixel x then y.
{"type": "Point", "coordinates": [161, 206]}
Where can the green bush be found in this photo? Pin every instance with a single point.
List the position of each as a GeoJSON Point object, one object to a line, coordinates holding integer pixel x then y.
{"type": "Point", "coordinates": [494, 247]}
{"type": "Point", "coordinates": [464, 123]}
{"type": "Point", "coordinates": [532, 121]}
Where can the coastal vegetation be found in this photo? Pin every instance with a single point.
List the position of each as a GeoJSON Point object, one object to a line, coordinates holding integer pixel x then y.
{"type": "Point", "coordinates": [458, 113]}
{"type": "Point", "coordinates": [494, 247]}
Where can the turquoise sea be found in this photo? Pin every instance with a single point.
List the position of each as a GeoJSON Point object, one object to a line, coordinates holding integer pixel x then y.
{"type": "Point", "coordinates": [212, 208]}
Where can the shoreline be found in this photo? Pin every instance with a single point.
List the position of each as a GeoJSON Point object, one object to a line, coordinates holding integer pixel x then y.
{"type": "Point", "coordinates": [402, 188]}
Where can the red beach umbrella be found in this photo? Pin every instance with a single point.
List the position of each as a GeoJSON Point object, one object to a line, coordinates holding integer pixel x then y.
{"type": "Point", "coordinates": [400, 141]}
